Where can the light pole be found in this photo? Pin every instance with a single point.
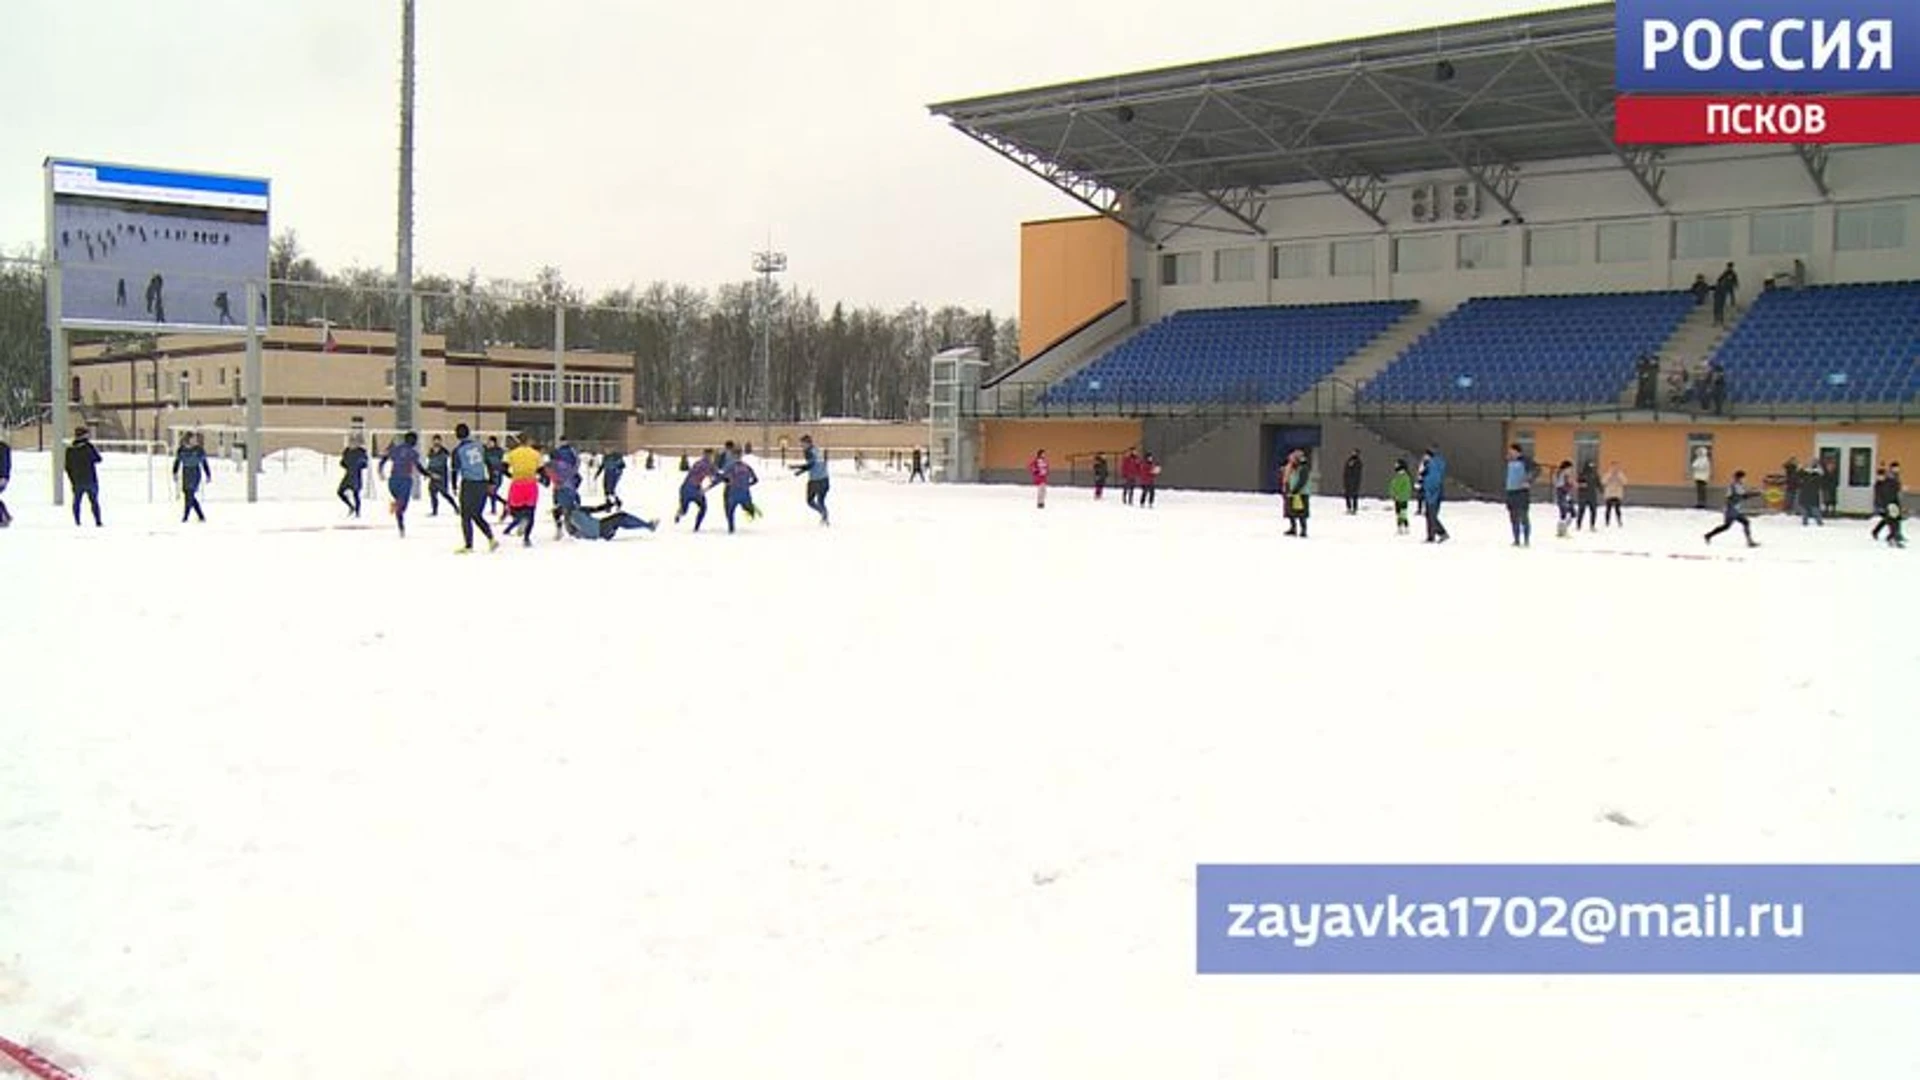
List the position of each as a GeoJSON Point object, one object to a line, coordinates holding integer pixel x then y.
{"type": "Point", "coordinates": [766, 264]}
{"type": "Point", "coordinates": [404, 345]}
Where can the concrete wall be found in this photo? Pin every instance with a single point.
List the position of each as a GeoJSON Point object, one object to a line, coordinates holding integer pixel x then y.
{"type": "Point", "coordinates": [1713, 182]}
{"type": "Point", "coordinates": [843, 435]}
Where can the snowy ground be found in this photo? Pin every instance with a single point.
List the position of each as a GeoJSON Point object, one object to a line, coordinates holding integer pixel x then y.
{"type": "Point", "coordinates": [917, 796]}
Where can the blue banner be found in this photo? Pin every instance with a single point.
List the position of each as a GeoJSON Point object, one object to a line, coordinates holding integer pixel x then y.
{"type": "Point", "coordinates": [1538, 919]}
{"type": "Point", "coordinates": [1766, 46]}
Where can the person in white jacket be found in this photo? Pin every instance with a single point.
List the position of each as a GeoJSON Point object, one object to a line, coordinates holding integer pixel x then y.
{"type": "Point", "coordinates": [1702, 470]}
{"type": "Point", "coordinates": [1614, 487]}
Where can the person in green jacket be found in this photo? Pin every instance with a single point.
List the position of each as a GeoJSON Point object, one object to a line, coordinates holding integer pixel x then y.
{"type": "Point", "coordinates": [1400, 490]}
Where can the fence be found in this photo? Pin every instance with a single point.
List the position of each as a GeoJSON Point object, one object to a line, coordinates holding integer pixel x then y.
{"type": "Point", "coordinates": [1334, 399]}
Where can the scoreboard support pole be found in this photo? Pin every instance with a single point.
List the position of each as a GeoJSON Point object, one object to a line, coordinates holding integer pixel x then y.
{"type": "Point", "coordinates": [59, 378]}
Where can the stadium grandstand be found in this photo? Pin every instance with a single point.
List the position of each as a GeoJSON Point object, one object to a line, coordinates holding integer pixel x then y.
{"type": "Point", "coordinates": [1433, 238]}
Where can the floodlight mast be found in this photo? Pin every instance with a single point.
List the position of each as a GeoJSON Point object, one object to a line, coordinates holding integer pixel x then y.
{"type": "Point", "coordinates": [405, 343]}
{"type": "Point", "coordinates": [766, 264]}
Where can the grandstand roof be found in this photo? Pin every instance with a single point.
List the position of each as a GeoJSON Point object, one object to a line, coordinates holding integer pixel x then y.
{"type": "Point", "coordinates": [1477, 98]}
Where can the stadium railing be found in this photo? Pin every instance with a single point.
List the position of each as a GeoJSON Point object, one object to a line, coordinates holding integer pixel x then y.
{"type": "Point", "coordinates": [1334, 399]}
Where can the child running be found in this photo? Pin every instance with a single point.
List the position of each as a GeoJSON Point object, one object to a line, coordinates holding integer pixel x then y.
{"type": "Point", "coordinates": [740, 480]}
{"type": "Point", "coordinates": [399, 466]}
{"type": "Point", "coordinates": [1737, 495]}
{"type": "Point", "coordinates": [522, 466]}
{"type": "Point", "coordinates": [815, 470]}
{"type": "Point", "coordinates": [693, 489]}
{"type": "Point", "coordinates": [353, 472]}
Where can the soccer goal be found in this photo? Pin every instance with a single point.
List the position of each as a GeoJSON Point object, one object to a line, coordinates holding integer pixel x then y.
{"type": "Point", "coordinates": [126, 459]}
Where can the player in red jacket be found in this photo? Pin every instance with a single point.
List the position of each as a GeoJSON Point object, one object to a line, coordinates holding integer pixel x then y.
{"type": "Point", "coordinates": [1129, 475]}
{"type": "Point", "coordinates": [1038, 469]}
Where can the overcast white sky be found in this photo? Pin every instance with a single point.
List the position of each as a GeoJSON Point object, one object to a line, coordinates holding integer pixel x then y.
{"type": "Point", "coordinates": [620, 140]}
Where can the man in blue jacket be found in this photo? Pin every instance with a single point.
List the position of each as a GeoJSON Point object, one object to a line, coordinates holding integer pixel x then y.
{"type": "Point", "coordinates": [1520, 496]}
{"type": "Point", "coordinates": [815, 468]}
{"type": "Point", "coordinates": [1432, 491]}
{"type": "Point", "coordinates": [740, 479]}
{"type": "Point", "coordinates": [189, 468]}
{"type": "Point", "coordinates": [476, 482]}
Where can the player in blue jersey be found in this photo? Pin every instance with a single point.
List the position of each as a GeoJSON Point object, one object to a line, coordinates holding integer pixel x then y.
{"type": "Point", "coordinates": [701, 475]}
{"type": "Point", "coordinates": [399, 467]}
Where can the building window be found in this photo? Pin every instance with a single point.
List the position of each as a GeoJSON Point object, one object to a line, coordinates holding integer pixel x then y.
{"type": "Point", "coordinates": [223, 376]}
{"type": "Point", "coordinates": [147, 383]}
{"type": "Point", "coordinates": [1624, 242]}
{"type": "Point", "coordinates": [1181, 268]}
{"type": "Point", "coordinates": [1416, 254]}
{"type": "Point", "coordinates": [1523, 438]}
{"type": "Point", "coordinates": [1234, 265]}
{"type": "Point", "coordinates": [1695, 442]}
{"type": "Point", "coordinates": [1353, 258]}
{"type": "Point", "coordinates": [593, 389]}
{"type": "Point", "coordinates": [1586, 449]}
{"type": "Point", "coordinates": [1870, 228]}
{"type": "Point", "coordinates": [1554, 247]}
{"type": "Point", "coordinates": [1703, 238]}
{"type": "Point", "coordinates": [1790, 233]}
{"type": "Point", "coordinates": [530, 388]}
{"type": "Point", "coordinates": [1483, 251]}
{"type": "Point", "coordinates": [1292, 262]}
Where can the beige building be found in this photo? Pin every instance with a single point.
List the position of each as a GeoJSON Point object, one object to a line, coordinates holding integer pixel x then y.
{"type": "Point", "coordinates": [315, 389]}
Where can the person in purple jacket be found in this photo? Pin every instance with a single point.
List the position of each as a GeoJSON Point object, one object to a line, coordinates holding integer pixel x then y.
{"type": "Point", "coordinates": [740, 480]}
{"type": "Point", "coordinates": [399, 466]}
{"type": "Point", "coordinates": [693, 489]}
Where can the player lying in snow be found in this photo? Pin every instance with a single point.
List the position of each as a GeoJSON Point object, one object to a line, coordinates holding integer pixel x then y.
{"type": "Point", "coordinates": [582, 523]}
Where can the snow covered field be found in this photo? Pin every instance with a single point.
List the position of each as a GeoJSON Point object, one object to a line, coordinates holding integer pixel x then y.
{"type": "Point", "coordinates": [920, 795]}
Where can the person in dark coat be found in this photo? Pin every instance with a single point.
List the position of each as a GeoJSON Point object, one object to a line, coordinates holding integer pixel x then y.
{"type": "Point", "coordinates": [6, 474]}
{"type": "Point", "coordinates": [1099, 474]}
{"type": "Point", "coordinates": [1886, 503]}
{"type": "Point", "coordinates": [1587, 496]}
{"type": "Point", "coordinates": [83, 473]}
{"type": "Point", "coordinates": [190, 468]}
{"type": "Point", "coordinates": [1725, 292]}
{"type": "Point", "coordinates": [1350, 476]}
{"type": "Point", "coordinates": [353, 473]}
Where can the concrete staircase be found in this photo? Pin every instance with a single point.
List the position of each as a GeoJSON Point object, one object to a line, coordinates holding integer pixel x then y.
{"type": "Point", "coordinates": [1336, 390]}
{"type": "Point", "coordinates": [1695, 340]}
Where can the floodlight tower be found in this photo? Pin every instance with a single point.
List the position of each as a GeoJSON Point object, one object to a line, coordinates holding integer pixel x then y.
{"type": "Point", "coordinates": [405, 382]}
{"type": "Point", "coordinates": [766, 264]}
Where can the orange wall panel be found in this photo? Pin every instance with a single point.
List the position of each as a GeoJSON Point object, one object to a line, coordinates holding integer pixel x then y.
{"type": "Point", "coordinates": [1070, 270]}
{"type": "Point", "coordinates": [1656, 454]}
{"type": "Point", "coordinates": [1009, 444]}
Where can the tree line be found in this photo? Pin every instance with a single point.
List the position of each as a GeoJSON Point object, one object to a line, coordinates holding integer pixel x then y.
{"type": "Point", "coordinates": [695, 351]}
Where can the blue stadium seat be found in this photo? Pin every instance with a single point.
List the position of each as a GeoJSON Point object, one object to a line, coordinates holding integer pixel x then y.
{"type": "Point", "coordinates": [1831, 344]}
{"type": "Point", "coordinates": [1266, 355]}
{"type": "Point", "coordinates": [1572, 350]}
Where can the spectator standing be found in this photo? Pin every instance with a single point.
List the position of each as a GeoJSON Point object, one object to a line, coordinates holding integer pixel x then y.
{"type": "Point", "coordinates": [83, 474]}
{"type": "Point", "coordinates": [1614, 486]}
{"type": "Point", "coordinates": [1701, 470]}
{"type": "Point", "coordinates": [1350, 476]}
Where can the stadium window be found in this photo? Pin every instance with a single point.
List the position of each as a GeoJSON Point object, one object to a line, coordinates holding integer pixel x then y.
{"type": "Point", "coordinates": [1353, 258]}
{"type": "Point", "coordinates": [1870, 228]}
{"type": "Point", "coordinates": [1416, 254]}
{"type": "Point", "coordinates": [1703, 238]}
{"type": "Point", "coordinates": [1586, 449]}
{"type": "Point", "coordinates": [223, 376]}
{"type": "Point", "coordinates": [1233, 264]}
{"type": "Point", "coordinates": [1483, 251]}
{"type": "Point", "coordinates": [1624, 242]}
{"type": "Point", "coordinates": [1294, 261]}
{"type": "Point", "coordinates": [1558, 246]}
{"type": "Point", "coordinates": [1789, 233]}
{"type": "Point", "coordinates": [1180, 268]}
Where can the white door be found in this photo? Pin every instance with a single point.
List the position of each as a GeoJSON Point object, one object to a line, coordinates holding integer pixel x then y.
{"type": "Point", "coordinates": [1851, 458]}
